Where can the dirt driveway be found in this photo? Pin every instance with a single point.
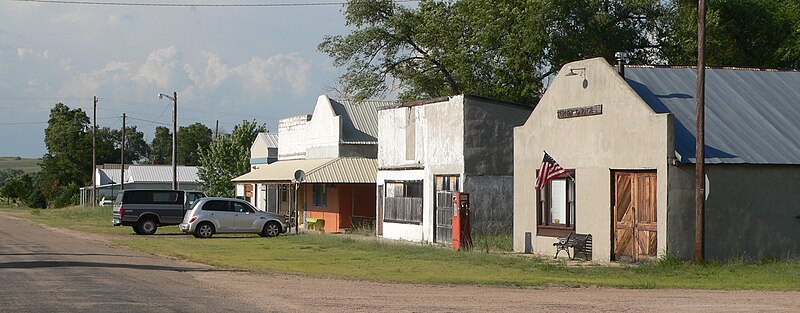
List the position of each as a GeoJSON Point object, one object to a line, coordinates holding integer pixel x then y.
{"type": "Point", "coordinates": [243, 291]}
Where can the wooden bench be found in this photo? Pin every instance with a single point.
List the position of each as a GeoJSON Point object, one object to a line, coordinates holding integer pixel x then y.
{"type": "Point", "coordinates": [580, 243]}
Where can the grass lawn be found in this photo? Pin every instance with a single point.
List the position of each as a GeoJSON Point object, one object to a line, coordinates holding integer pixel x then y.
{"type": "Point", "coordinates": [362, 257]}
{"type": "Point", "coordinates": [24, 164]}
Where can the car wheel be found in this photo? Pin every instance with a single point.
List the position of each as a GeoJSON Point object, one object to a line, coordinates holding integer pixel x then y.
{"type": "Point", "coordinates": [271, 229]}
{"type": "Point", "coordinates": [204, 230]}
{"type": "Point", "coordinates": [147, 226]}
{"type": "Point", "coordinates": [136, 229]}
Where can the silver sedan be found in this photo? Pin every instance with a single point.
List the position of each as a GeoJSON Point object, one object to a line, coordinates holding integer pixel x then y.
{"type": "Point", "coordinates": [225, 215]}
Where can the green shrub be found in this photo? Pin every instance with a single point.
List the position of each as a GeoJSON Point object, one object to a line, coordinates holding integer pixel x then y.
{"type": "Point", "coordinates": [68, 196]}
{"type": "Point", "coordinates": [36, 199]}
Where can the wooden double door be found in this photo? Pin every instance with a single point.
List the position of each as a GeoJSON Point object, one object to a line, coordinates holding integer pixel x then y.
{"type": "Point", "coordinates": [635, 223]}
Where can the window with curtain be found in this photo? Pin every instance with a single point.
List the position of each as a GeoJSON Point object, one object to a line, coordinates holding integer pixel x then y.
{"type": "Point", "coordinates": [556, 207]}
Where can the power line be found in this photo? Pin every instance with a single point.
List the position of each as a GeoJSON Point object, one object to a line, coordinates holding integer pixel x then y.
{"type": "Point", "coordinates": [307, 4]}
{"type": "Point", "coordinates": [149, 121]}
{"type": "Point", "coordinates": [35, 123]}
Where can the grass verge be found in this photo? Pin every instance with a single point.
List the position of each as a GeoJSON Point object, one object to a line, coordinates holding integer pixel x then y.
{"type": "Point", "coordinates": [361, 257]}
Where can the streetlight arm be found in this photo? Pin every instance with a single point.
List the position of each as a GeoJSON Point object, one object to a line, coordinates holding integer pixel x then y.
{"type": "Point", "coordinates": [161, 96]}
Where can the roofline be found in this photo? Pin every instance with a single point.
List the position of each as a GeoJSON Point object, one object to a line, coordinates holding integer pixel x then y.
{"type": "Point", "coordinates": [732, 68]}
{"type": "Point", "coordinates": [414, 103]}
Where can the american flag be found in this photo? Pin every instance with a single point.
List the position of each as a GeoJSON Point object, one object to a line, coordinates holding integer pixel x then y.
{"type": "Point", "coordinates": [548, 171]}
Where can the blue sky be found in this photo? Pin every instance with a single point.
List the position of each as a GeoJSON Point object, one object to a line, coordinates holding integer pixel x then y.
{"type": "Point", "coordinates": [225, 63]}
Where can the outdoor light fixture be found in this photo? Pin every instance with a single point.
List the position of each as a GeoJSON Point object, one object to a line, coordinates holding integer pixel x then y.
{"type": "Point", "coordinates": [573, 70]}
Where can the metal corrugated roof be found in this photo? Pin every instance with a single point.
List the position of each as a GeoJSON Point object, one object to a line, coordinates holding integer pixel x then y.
{"type": "Point", "coordinates": [280, 171]}
{"type": "Point", "coordinates": [338, 170]}
{"type": "Point", "coordinates": [345, 170]}
{"type": "Point", "coordinates": [160, 173]}
{"type": "Point", "coordinates": [751, 116]}
{"type": "Point", "coordinates": [359, 119]}
{"type": "Point", "coordinates": [269, 139]}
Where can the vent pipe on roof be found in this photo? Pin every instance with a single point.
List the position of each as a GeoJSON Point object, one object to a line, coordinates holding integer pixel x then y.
{"type": "Point", "coordinates": [622, 58]}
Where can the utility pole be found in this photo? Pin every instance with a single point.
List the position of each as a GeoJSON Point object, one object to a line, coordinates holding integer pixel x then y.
{"type": "Point", "coordinates": [94, 153]}
{"type": "Point", "coordinates": [699, 170]}
{"type": "Point", "coordinates": [174, 140]}
{"type": "Point", "coordinates": [122, 157]}
{"type": "Point", "coordinates": [174, 99]}
{"type": "Point", "coordinates": [216, 130]}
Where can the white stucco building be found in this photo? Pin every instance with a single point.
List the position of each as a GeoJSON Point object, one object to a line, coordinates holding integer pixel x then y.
{"type": "Point", "coordinates": [628, 141]}
{"type": "Point", "coordinates": [429, 149]}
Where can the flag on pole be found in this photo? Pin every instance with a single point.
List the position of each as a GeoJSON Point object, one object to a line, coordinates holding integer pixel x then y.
{"type": "Point", "coordinates": [548, 171]}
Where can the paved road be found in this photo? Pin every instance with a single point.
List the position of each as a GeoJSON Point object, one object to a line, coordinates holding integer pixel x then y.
{"type": "Point", "coordinates": [46, 270]}
{"type": "Point", "coordinates": [53, 270]}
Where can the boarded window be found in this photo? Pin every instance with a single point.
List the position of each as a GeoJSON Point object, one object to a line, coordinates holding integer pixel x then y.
{"type": "Point", "coordinates": [403, 202]}
{"type": "Point", "coordinates": [411, 135]}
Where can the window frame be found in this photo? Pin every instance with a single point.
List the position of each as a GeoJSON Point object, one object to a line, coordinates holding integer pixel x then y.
{"type": "Point", "coordinates": [417, 191]}
{"type": "Point", "coordinates": [319, 195]}
{"type": "Point", "coordinates": [543, 226]}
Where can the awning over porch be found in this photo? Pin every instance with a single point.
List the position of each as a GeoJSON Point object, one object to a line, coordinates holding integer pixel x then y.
{"type": "Point", "coordinates": [329, 171]}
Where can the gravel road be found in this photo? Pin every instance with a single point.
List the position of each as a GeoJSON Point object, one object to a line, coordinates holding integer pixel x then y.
{"type": "Point", "coordinates": [43, 269]}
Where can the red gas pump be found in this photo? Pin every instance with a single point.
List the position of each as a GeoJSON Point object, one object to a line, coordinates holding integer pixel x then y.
{"type": "Point", "coordinates": [462, 240]}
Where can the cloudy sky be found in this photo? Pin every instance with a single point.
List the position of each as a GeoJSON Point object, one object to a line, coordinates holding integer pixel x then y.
{"type": "Point", "coordinates": [225, 63]}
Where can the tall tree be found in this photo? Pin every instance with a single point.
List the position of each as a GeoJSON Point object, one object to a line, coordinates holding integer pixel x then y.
{"type": "Point", "coordinates": [161, 146]}
{"type": "Point", "coordinates": [8, 173]}
{"type": "Point", "coordinates": [136, 147]}
{"type": "Point", "coordinates": [498, 49]}
{"type": "Point", "coordinates": [17, 187]}
{"type": "Point", "coordinates": [227, 157]}
{"type": "Point", "coordinates": [107, 146]}
{"type": "Point", "coordinates": [192, 140]}
{"type": "Point", "coordinates": [69, 155]}
{"type": "Point", "coordinates": [742, 33]}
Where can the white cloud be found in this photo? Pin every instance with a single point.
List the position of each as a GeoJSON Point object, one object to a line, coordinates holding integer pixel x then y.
{"type": "Point", "coordinates": [75, 17]}
{"type": "Point", "coordinates": [121, 20]}
{"type": "Point", "coordinates": [212, 76]}
{"type": "Point", "coordinates": [113, 20]}
{"type": "Point", "coordinates": [66, 63]}
{"type": "Point", "coordinates": [159, 68]}
{"type": "Point", "coordinates": [89, 83]}
{"type": "Point", "coordinates": [23, 53]}
{"type": "Point", "coordinates": [260, 75]}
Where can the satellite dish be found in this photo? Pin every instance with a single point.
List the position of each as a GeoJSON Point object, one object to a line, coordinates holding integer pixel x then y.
{"type": "Point", "coordinates": [299, 175]}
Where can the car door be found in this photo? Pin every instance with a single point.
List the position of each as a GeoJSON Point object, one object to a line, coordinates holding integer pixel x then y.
{"type": "Point", "coordinates": [222, 214]}
{"type": "Point", "coordinates": [246, 219]}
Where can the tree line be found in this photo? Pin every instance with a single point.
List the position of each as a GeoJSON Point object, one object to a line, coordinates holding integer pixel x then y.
{"type": "Point", "coordinates": [67, 165]}
{"type": "Point", "coordinates": [508, 49]}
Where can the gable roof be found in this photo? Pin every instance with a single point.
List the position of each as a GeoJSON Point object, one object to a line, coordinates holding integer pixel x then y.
{"type": "Point", "coordinates": [270, 140]}
{"type": "Point", "coordinates": [750, 115]}
{"type": "Point", "coordinates": [359, 119]}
